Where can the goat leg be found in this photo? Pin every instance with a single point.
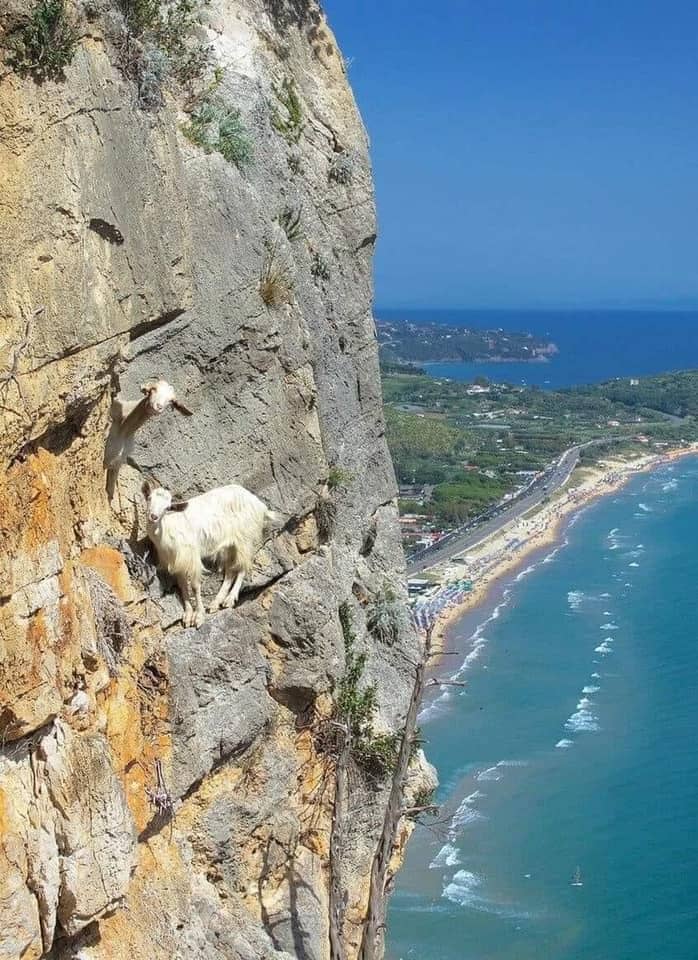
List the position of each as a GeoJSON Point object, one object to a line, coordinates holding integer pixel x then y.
{"type": "Point", "coordinates": [229, 572]}
{"type": "Point", "coordinates": [232, 597]}
{"type": "Point", "coordinates": [200, 614]}
{"type": "Point", "coordinates": [183, 584]}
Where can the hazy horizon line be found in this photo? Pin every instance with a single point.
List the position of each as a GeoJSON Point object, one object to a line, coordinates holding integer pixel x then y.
{"type": "Point", "coordinates": [596, 308]}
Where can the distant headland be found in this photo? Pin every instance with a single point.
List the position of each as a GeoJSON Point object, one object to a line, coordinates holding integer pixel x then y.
{"type": "Point", "coordinates": [407, 342]}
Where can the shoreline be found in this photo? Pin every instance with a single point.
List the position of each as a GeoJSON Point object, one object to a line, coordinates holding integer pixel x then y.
{"type": "Point", "coordinates": [499, 555]}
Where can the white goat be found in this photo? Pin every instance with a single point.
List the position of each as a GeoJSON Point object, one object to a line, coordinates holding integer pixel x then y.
{"type": "Point", "coordinates": [227, 524]}
{"type": "Point", "coordinates": [127, 417]}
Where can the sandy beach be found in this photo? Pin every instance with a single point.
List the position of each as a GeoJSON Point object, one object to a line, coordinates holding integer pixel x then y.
{"type": "Point", "coordinates": [500, 553]}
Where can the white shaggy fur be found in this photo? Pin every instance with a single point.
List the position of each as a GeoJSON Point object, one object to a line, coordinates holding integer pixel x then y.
{"type": "Point", "coordinates": [226, 524]}
{"type": "Point", "coordinates": [127, 417]}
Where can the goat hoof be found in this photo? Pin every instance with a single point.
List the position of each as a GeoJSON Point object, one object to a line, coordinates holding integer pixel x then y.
{"type": "Point", "coordinates": [213, 607]}
{"type": "Point", "coordinates": [199, 618]}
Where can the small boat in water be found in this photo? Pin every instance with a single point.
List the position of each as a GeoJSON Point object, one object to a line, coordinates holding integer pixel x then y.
{"type": "Point", "coordinates": [576, 880]}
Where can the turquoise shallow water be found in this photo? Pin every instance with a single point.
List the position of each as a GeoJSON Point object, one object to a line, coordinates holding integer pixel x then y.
{"type": "Point", "coordinates": [574, 744]}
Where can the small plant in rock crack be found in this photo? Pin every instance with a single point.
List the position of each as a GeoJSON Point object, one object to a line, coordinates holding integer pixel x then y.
{"type": "Point", "coordinates": [320, 267]}
{"type": "Point", "coordinates": [287, 118]}
{"type": "Point", "coordinates": [342, 168]}
{"type": "Point", "coordinates": [44, 46]}
{"type": "Point", "coordinates": [275, 282]}
{"type": "Point", "coordinates": [295, 164]}
{"type": "Point", "coordinates": [290, 221]}
{"type": "Point", "coordinates": [215, 126]}
{"type": "Point", "coordinates": [385, 616]}
{"type": "Point", "coordinates": [338, 477]}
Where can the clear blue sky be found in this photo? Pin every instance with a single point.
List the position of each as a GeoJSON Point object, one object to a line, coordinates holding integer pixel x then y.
{"type": "Point", "coordinates": [530, 152]}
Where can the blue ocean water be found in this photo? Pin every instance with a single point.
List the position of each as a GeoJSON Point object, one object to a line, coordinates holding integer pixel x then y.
{"type": "Point", "coordinates": [573, 745]}
{"type": "Point", "coordinates": [594, 345]}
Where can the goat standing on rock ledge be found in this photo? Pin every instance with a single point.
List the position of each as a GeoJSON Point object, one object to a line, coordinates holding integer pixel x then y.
{"type": "Point", "coordinates": [227, 523]}
{"type": "Point", "coordinates": [127, 417]}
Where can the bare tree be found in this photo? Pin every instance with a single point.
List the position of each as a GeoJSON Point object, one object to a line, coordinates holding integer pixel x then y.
{"type": "Point", "coordinates": [374, 923]}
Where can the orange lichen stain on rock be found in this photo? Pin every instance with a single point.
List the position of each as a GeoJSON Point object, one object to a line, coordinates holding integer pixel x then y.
{"type": "Point", "coordinates": [109, 564]}
{"type": "Point", "coordinates": [158, 896]}
{"type": "Point", "coordinates": [4, 817]}
{"type": "Point", "coordinates": [135, 754]}
{"type": "Point", "coordinates": [223, 782]}
{"type": "Point", "coordinates": [315, 794]}
{"type": "Point", "coordinates": [30, 485]}
{"type": "Point", "coordinates": [72, 611]}
{"type": "Point", "coordinates": [42, 669]}
{"type": "Point", "coordinates": [136, 708]}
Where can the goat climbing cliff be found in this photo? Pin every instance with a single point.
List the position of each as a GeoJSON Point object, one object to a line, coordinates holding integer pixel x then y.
{"type": "Point", "coordinates": [186, 193]}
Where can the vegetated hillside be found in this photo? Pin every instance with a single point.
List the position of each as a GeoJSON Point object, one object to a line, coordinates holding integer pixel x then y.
{"type": "Point", "coordinates": [186, 194]}
{"type": "Point", "coordinates": [475, 447]}
{"type": "Point", "coordinates": [675, 394]}
{"type": "Point", "coordinates": [409, 342]}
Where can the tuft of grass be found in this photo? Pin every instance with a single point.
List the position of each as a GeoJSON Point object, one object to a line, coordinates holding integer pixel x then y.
{"type": "Point", "coordinates": [295, 164]}
{"type": "Point", "coordinates": [214, 126]}
{"type": "Point", "coordinates": [275, 282]}
{"type": "Point", "coordinates": [385, 617]}
{"type": "Point", "coordinates": [341, 168]}
{"type": "Point", "coordinates": [288, 121]}
{"type": "Point", "coordinates": [44, 46]}
{"type": "Point", "coordinates": [325, 517]}
{"type": "Point", "coordinates": [320, 267]}
{"type": "Point", "coordinates": [338, 477]}
{"type": "Point", "coordinates": [290, 221]}
{"type": "Point", "coordinates": [233, 140]}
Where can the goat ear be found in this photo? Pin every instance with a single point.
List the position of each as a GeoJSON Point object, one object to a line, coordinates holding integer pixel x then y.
{"type": "Point", "coordinates": [146, 488]}
{"type": "Point", "coordinates": [180, 408]}
{"type": "Point", "coordinates": [179, 505]}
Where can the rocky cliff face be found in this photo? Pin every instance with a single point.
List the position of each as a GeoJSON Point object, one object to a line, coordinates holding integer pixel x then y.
{"type": "Point", "coordinates": [129, 251]}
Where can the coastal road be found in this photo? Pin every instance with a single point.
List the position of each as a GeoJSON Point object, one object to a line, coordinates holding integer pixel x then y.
{"type": "Point", "coordinates": [467, 537]}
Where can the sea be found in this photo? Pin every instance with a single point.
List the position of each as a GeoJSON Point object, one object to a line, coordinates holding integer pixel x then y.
{"type": "Point", "coordinates": [594, 344]}
{"type": "Point", "coordinates": [572, 751]}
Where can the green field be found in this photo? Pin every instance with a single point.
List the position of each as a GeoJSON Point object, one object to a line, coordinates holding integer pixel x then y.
{"type": "Point", "coordinates": [474, 448]}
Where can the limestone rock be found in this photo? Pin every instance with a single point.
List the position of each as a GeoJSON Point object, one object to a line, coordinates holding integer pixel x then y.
{"type": "Point", "coordinates": [131, 252]}
{"type": "Point", "coordinates": [222, 705]}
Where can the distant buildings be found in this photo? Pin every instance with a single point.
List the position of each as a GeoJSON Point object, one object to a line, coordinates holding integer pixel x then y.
{"type": "Point", "coordinates": [421, 492]}
{"type": "Point", "coordinates": [477, 388]}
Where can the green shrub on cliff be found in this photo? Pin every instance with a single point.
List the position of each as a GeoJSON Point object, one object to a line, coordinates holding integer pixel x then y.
{"type": "Point", "coordinates": [288, 121]}
{"type": "Point", "coordinates": [385, 617]}
{"type": "Point", "coordinates": [161, 40]}
{"type": "Point", "coordinates": [216, 126]}
{"type": "Point", "coordinates": [45, 45]}
{"type": "Point", "coordinates": [356, 705]}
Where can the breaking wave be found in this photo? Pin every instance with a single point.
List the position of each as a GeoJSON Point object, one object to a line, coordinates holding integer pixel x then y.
{"type": "Point", "coordinates": [574, 599]}
{"type": "Point", "coordinates": [448, 856]}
